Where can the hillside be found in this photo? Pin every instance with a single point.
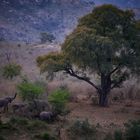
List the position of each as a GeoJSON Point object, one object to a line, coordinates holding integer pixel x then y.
{"type": "Point", "coordinates": [23, 20]}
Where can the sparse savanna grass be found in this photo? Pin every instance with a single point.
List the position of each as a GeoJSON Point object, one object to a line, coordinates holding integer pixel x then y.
{"type": "Point", "coordinates": [58, 100]}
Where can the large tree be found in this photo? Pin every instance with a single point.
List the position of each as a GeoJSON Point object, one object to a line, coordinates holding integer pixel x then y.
{"type": "Point", "coordinates": [105, 42]}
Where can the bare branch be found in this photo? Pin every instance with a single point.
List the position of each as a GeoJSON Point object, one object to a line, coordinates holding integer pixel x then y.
{"type": "Point", "coordinates": [114, 70]}
{"type": "Point", "coordinates": [116, 84]}
{"type": "Point", "coordinates": [86, 79]}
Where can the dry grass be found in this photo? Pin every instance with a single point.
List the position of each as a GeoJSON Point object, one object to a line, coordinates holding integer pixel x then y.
{"type": "Point", "coordinates": [118, 112]}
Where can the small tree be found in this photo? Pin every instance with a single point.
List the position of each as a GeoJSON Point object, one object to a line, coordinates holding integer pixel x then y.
{"type": "Point", "coordinates": [11, 70]}
{"type": "Point", "coordinates": [105, 42]}
{"type": "Point", "coordinates": [58, 100]}
{"type": "Point", "coordinates": [46, 37]}
{"type": "Point", "coordinates": [30, 91]}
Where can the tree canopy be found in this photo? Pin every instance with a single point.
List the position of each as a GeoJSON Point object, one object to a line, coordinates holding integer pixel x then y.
{"type": "Point", "coordinates": [105, 42]}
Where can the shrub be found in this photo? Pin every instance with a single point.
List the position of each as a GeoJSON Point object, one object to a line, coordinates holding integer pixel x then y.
{"type": "Point", "coordinates": [118, 135]}
{"type": "Point", "coordinates": [108, 136]}
{"type": "Point", "coordinates": [30, 91]}
{"type": "Point", "coordinates": [2, 138]}
{"type": "Point", "coordinates": [36, 124]}
{"type": "Point", "coordinates": [82, 130]}
{"type": "Point", "coordinates": [132, 130]}
{"type": "Point", "coordinates": [7, 126]}
{"type": "Point", "coordinates": [11, 70]}
{"type": "Point", "coordinates": [45, 136]}
{"type": "Point", "coordinates": [19, 121]}
{"type": "Point", "coordinates": [58, 99]}
{"type": "Point", "coordinates": [27, 124]}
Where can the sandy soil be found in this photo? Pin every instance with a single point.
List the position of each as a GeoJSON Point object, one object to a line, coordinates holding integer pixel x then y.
{"type": "Point", "coordinates": [116, 114]}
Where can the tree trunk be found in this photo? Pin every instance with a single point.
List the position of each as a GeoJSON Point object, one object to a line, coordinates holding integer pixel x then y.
{"type": "Point", "coordinates": [104, 90]}
{"type": "Point", "coordinates": [103, 100]}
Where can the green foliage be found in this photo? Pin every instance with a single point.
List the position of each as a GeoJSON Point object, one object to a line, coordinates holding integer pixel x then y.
{"type": "Point", "coordinates": [108, 136]}
{"type": "Point", "coordinates": [51, 63]}
{"type": "Point", "coordinates": [29, 91]}
{"type": "Point", "coordinates": [47, 136]}
{"type": "Point", "coordinates": [102, 41]}
{"type": "Point", "coordinates": [18, 125]}
{"type": "Point", "coordinates": [82, 130]}
{"type": "Point", "coordinates": [5, 126]}
{"type": "Point", "coordinates": [94, 44]}
{"type": "Point", "coordinates": [46, 37]}
{"type": "Point", "coordinates": [11, 70]}
{"type": "Point", "coordinates": [2, 138]}
{"type": "Point", "coordinates": [133, 130]}
{"type": "Point", "coordinates": [29, 125]}
{"type": "Point", "coordinates": [118, 135]}
{"type": "Point", "coordinates": [105, 42]}
{"type": "Point", "coordinates": [58, 99]}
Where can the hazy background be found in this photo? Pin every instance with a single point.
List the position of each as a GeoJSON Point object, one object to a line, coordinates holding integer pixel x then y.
{"type": "Point", "coordinates": [24, 20]}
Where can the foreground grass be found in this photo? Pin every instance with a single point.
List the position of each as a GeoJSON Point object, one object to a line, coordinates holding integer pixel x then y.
{"type": "Point", "coordinates": [21, 128]}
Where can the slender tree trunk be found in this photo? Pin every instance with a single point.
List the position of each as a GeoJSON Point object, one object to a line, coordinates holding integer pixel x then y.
{"type": "Point", "coordinates": [104, 90]}
{"type": "Point", "coordinates": [103, 99]}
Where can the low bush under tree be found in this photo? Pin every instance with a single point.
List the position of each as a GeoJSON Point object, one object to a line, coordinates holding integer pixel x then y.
{"type": "Point", "coordinates": [132, 130]}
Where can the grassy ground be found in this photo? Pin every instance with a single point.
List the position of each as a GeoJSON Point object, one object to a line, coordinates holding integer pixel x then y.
{"type": "Point", "coordinates": [14, 128]}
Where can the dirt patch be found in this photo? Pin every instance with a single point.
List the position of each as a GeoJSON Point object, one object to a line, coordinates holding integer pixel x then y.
{"type": "Point", "coordinates": [104, 116]}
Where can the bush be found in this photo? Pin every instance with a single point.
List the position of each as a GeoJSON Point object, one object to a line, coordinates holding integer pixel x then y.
{"type": "Point", "coordinates": [108, 136]}
{"type": "Point", "coordinates": [118, 135]}
{"type": "Point", "coordinates": [11, 70]}
{"type": "Point", "coordinates": [132, 130]}
{"type": "Point", "coordinates": [30, 91]}
{"type": "Point", "coordinates": [19, 121]}
{"type": "Point", "coordinates": [36, 124]}
{"type": "Point", "coordinates": [27, 124]}
{"type": "Point", "coordinates": [45, 136]}
{"type": "Point", "coordinates": [2, 138]}
{"type": "Point", "coordinates": [82, 130]}
{"type": "Point", "coordinates": [58, 100]}
{"type": "Point", "coordinates": [7, 126]}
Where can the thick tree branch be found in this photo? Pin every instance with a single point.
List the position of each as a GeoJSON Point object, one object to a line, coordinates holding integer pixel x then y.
{"type": "Point", "coordinates": [86, 79]}
{"type": "Point", "coordinates": [98, 63]}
